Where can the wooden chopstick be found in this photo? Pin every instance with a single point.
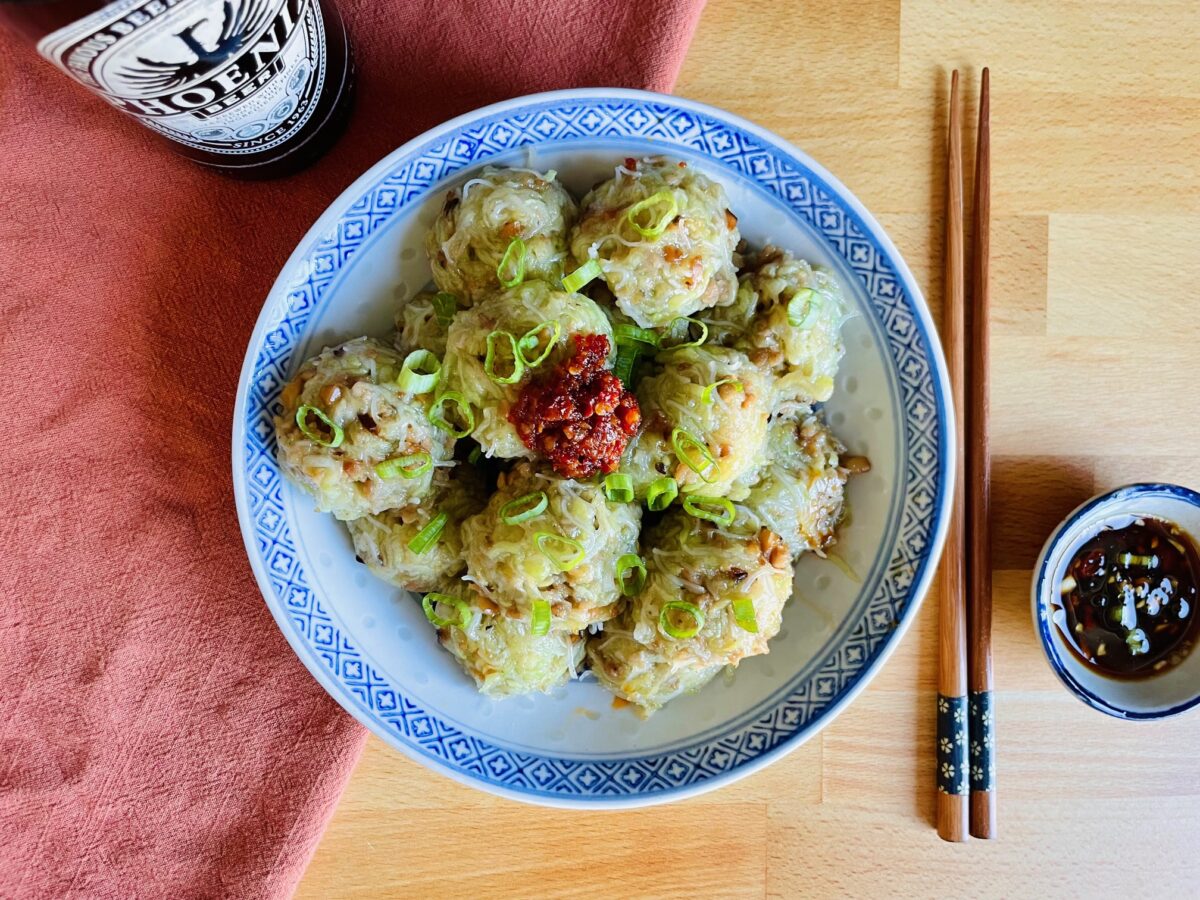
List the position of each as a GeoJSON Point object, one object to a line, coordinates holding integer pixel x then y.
{"type": "Point", "coordinates": [979, 566]}
{"type": "Point", "coordinates": [952, 645]}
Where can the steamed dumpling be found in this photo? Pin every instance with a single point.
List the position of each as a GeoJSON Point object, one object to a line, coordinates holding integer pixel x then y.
{"type": "Point", "coordinates": [646, 656]}
{"type": "Point", "coordinates": [355, 418]}
{"type": "Point", "coordinates": [502, 654]}
{"type": "Point", "coordinates": [480, 219]}
{"type": "Point", "coordinates": [803, 345]}
{"type": "Point", "coordinates": [516, 312]}
{"type": "Point", "coordinates": [381, 541]}
{"type": "Point", "coordinates": [657, 276]}
{"type": "Point", "coordinates": [566, 554]}
{"type": "Point", "coordinates": [729, 426]}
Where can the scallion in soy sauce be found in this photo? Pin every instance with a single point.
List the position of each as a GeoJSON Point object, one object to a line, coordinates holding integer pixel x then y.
{"type": "Point", "coordinates": [1130, 598]}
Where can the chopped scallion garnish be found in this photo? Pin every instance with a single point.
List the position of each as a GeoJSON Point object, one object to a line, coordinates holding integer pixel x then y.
{"type": "Point", "coordinates": [581, 276]}
{"type": "Point", "coordinates": [711, 390]}
{"type": "Point", "coordinates": [627, 355]}
{"type": "Point", "coordinates": [618, 487]}
{"type": "Point", "coordinates": [687, 448]}
{"type": "Point", "coordinates": [524, 508]}
{"type": "Point", "coordinates": [713, 509]}
{"type": "Point", "coordinates": [661, 493]}
{"type": "Point", "coordinates": [551, 545]}
{"type": "Point", "coordinates": [802, 308]}
{"type": "Point", "coordinates": [530, 346]}
{"type": "Point", "coordinates": [743, 613]}
{"type": "Point", "coordinates": [650, 217]}
{"type": "Point", "coordinates": [445, 305]}
{"type": "Point", "coordinates": [513, 261]}
{"type": "Point", "coordinates": [539, 623]}
{"type": "Point", "coordinates": [430, 602]}
{"type": "Point", "coordinates": [631, 574]}
{"type": "Point", "coordinates": [629, 334]}
{"type": "Point", "coordinates": [491, 360]}
{"type": "Point", "coordinates": [684, 330]}
{"type": "Point", "coordinates": [420, 372]}
{"type": "Point", "coordinates": [410, 466]}
{"type": "Point", "coordinates": [694, 619]}
{"type": "Point", "coordinates": [427, 536]}
{"type": "Point", "coordinates": [475, 455]}
{"type": "Point", "coordinates": [336, 434]}
{"type": "Point", "coordinates": [438, 418]}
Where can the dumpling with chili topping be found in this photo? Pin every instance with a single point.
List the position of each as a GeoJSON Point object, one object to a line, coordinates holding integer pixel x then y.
{"type": "Point", "coordinates": [420, 546]}
{"type": "Point", "coordinates": [481, 219]}
{"type": "Point", "coordinates": [352, 438]}
{"type": "Point", "coordinates": [800, 491]}
{"type": "Point", "coordinates": [663, 238]}
{"type": "Point", "coordinates": [505, 656]}
{"type": "Point", "coordinates": [495, 347]}
{"type": "Point", "coordinates": [705, 418]}
{"type": "Point", "coordinates": [546, 539]}
{"type": "Point", "coordinates": [711, 599]}
{"type": "Point", "coordinates": [787, 317]}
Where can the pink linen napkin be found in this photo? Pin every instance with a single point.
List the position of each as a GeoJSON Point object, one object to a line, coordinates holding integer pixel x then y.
{"type": "Point", "coordinates": [157, 736]}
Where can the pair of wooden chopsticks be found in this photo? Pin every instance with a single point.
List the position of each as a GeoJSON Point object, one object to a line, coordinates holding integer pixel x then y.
{"type": "Point", "coordinates": [965, 736]}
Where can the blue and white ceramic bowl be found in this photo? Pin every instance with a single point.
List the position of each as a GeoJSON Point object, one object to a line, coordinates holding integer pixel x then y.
{"type": "Point", "coordinates": [1169, 694]}
{"type": "Point", "coordinates": [372, 649]}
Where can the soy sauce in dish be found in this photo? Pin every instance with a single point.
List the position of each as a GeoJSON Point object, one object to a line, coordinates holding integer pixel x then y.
{"type": "Point", "coordinates": [1130, 598]}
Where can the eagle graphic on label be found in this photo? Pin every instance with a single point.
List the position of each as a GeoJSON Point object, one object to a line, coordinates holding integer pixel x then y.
{"type": "Point", "coordinates": [241, 19]}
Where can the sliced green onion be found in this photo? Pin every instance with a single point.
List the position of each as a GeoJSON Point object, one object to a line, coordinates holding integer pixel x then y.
{"type": "Point", "coordinates": [546, 540]}
{"type": "Point", "coordinates": [627, 355]}
{"type": "Point", "coordinates": [618, 487]}
{"type": "Point", "coordinates": [524, 508]}
{"type": "Point", "coordinates": [581, 276]}
{"type": "Point", "coordinates": [661, 493]}
{"type": "Point", "coordinates": [438, 418]}
{"type": "Point", "coordinates": [489, 361]}
{"type": "Point", "coordinates": [687, 447]}
{"type": "Point", "coordinates": [802, 308]}
{"type": "Point", "coordinates": [667, 627]}
{"type": "Point", "coordinates": [540, 621]}
{"type": "Point", "coordinates": [445, 305]}
{"type": "Point", "coordinates": [410, 466]}
{"type": "Point", "coordinates": [714, 509]}
{"type": "Point", "coordinates": [420, 372]}
{"type": "Point", "coordinates": [475, 455]}
{"type": "Point", "coordinates": [514, 260]}
{"type": "Point", "coordinates": [687, 333]}
{"type": "Point", "coordinates": [628, 334]}
{"type": "Point", "coordinates": [427, 536]}
{"type": "Point", "coordinates": [430, 601]}
{"type": "Point", "coordinates": [532, 340]}
{"type": "Point", "coordinates": [302, 415]}
{"type": "Point", "coordinates": [650, 217]}
{"type": "Point", "coordinates": [630, 565]}
{"type": "Point", "coordinates": [1149, 561]}
{"type": "Point", "coordinates": [711, 390]}
{"type": "Point", "coordinates": [743, 613]}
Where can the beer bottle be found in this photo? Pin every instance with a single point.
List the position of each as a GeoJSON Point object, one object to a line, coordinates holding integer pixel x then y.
{"type": "Point", "coordinates": [252, 88]}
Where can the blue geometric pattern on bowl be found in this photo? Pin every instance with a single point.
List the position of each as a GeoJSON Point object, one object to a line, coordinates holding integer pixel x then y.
{"type": "Point", "coordinates": [923, 461]}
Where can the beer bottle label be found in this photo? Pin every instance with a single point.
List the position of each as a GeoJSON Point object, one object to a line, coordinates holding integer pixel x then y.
{"type": "Point", "coordinates": [234, 77]}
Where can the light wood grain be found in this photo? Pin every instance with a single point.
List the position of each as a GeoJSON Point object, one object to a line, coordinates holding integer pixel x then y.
{"type": "Point", "coordinates": [1096, 138]}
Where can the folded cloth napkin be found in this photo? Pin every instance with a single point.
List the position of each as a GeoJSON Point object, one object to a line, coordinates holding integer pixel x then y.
{"type": "Point", "coordinates": [157, 736]}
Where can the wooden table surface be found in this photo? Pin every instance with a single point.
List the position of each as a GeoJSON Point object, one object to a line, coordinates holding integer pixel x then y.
{"type": "Point", "coordinates": [1096, 382]}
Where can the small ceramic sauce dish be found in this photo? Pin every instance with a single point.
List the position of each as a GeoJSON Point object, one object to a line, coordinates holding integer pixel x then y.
{"type": "Point", "coordinates": [1114, 601]}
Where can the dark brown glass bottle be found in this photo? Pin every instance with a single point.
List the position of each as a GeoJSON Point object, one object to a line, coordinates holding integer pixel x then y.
{"type": "Point", "coordinates": [252, 88]}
